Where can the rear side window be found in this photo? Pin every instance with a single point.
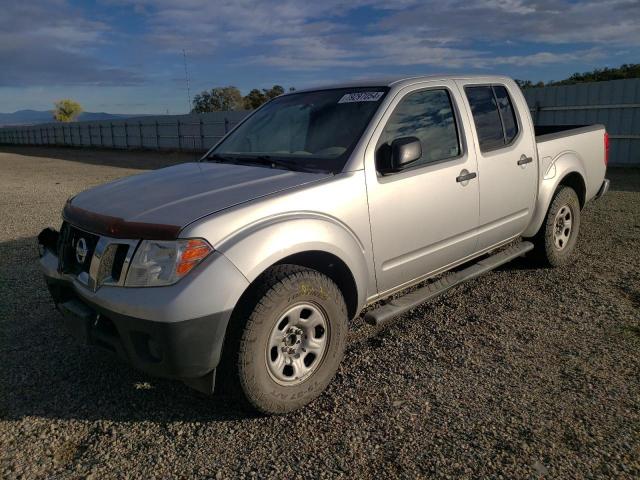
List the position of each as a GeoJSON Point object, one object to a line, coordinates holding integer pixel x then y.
{"type": "Point", "coordinates": [427, 115]}
{"type": "Point", "coordinates": [493, 115]}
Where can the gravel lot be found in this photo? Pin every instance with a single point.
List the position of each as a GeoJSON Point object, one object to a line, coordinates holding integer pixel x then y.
{"type": "Point", "coordinates": [523, 373]}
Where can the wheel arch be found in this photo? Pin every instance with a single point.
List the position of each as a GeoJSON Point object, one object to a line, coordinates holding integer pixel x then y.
{"type": "Point", "coordinates": [333, 267]}
{"type": "Point", "coordinates": [575, 181]}
{"type": "Point", "coordinates": [319, 243]}
{"type": "Point", "coordinates": [566, 170]}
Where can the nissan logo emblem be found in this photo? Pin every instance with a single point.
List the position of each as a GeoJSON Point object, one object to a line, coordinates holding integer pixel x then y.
{"type": "Point", "coordinates": [81, 250]}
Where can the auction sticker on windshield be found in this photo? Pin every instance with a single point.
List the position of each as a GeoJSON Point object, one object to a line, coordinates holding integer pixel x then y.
{"type": "Point", "coordinates": [361, 97]}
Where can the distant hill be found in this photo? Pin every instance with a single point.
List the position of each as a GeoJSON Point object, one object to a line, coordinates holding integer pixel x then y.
{"type": "Point", "coordinates": [32, 117]}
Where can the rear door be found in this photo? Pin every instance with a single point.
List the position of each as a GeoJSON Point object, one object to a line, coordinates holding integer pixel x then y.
{"type": "Point", "coordinates": [423, 217]}
{"type": "Point", "coordinates": [507, 165]}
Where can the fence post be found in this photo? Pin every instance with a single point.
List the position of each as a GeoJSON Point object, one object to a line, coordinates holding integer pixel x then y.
{"type": "Point", "coordinates": [226, 125]}
{"type": "Point", "coordinates": [90, 140]}
{"type": "Point", "coordinates": [126, 134]}
{"type": "Point", "coordinates": [201, 134]}
{"type": "Point", "coordinates": [157, 136]}
{"type": "Point", "coordinates": [140, 132]}
{"type": "Point", "coordinates": [100, 134]}
{"type": "Point", "coordinates": [179, 135]}
{"type": "Point", "coordinates": [113, 144]}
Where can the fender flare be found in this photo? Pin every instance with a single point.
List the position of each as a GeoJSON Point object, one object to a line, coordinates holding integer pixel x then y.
{"type": "Point", "coordinates": [259, 245]}
{"type": "Point", "coordinates": [554, 172]}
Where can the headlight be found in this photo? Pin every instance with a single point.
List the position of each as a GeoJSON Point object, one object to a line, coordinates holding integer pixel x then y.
{"type": "Point", "coordinates": [157, 263]}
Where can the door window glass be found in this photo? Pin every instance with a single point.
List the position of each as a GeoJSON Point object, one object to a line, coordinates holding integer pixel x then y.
{"type": "Point", "coordinates": [486, 117]}
{"type": "Point", "coordinates": [427, 115]}
{"type": "Point", "coordinates": [493, 115]}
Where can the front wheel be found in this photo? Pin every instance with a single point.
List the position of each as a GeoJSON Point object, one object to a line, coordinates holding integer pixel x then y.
{"type": "Point", "coordinates": [557, 237]}
{"type": "Point", "coordinates": [291, 340]}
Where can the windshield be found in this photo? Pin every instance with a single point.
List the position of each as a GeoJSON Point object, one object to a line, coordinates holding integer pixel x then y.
{"type": "Point", "coordinates": [313, 131]}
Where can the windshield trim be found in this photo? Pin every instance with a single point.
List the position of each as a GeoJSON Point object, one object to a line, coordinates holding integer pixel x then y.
{"type": "Point", "coordinates": [334, 165]}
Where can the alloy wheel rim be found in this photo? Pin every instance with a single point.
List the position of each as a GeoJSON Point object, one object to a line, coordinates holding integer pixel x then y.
{"type": "Point", "coordinates": [297, 344]}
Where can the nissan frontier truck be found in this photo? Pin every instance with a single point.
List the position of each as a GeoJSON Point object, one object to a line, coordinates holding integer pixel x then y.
{"type": "Point", "coordinates": [244, 269]}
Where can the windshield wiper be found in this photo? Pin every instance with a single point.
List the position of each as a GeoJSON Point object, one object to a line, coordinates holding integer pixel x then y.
{"type": "Point", "coordinates": [266, 160]}
{"type": "Point", "coordinates": [216, 157]}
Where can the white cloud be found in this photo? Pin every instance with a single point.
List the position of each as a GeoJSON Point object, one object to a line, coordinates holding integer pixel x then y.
{"type": "Point", "coordinates": [46, 42]}
{"type": "Point", "coordinates": [302, 36]}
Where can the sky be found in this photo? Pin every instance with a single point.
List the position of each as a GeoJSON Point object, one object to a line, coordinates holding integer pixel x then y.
{"type": "Point", "coordinates": [126, 56]}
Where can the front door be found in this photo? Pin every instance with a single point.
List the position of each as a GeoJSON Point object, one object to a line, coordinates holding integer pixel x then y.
{"type": "Point", "coordinates": [424, 216]}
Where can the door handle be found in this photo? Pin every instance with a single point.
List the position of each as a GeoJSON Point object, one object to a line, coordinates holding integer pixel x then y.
{"type": "Point", "coordinates": [465, 176]}
{"type": "Point", "coordinates": [524, 160]}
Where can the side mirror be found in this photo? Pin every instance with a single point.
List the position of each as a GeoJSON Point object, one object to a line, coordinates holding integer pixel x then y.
{"type": "Point", "coordinates": [405, 150]}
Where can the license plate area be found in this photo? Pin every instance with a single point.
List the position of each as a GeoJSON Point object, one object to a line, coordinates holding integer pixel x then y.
{"type": "Point", "coordinates": [78, 319]}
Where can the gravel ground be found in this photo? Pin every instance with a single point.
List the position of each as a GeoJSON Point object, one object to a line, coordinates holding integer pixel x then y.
{"type": "Point", "coordinates": [522, 373]}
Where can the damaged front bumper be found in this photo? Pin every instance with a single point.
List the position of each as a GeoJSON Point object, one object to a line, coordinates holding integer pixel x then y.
{"type": "Point", "coordinates": [174, 331]}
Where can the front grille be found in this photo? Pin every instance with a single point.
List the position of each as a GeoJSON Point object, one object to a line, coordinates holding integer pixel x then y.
{"type": "Point", "coordinates": [112, 263]}
{"type": "Point", "coordinates": [76, 249]}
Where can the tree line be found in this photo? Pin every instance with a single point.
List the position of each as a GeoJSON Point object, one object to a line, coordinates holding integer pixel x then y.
{"type": "Point", "coordinates": [627, 70]}
{"type": "Point", "coordinates": [229, 98]}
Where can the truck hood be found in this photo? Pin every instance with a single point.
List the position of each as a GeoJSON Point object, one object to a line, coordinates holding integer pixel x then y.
{"type": "Point", "coordinates": [176, 196]}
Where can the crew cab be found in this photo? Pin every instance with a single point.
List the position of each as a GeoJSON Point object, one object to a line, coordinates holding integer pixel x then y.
{"type": "Point", "coordinates": [244, 269]}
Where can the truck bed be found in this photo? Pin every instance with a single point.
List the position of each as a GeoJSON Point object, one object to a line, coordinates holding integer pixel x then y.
{"type": "Point", "coordinates": [582, 142]}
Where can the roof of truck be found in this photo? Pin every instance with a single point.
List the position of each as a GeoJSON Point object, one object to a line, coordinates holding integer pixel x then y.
{"type": "Point", "coordinates": [403, 81]}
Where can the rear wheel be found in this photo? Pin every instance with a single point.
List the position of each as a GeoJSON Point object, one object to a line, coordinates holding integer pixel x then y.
{"type": "Point", "coordinates": [289, 344]}
{"type": "Point", "coordinates": [557, 237]}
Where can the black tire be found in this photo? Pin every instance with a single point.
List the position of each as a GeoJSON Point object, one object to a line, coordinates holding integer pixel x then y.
{"type": "Point", "coordinates": [551, 248]}
{"type": "Point", "coordinates": [247, 349]}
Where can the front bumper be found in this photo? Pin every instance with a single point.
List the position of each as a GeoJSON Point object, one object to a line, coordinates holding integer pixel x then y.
{"type": "Point", "coordinates": [175, 331]}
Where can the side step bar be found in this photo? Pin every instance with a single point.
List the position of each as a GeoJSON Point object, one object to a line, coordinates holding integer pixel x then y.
{"type": "Point", "coordinates": [411, 300]}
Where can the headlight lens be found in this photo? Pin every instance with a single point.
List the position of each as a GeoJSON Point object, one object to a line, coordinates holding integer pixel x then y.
{"type": "Point", "coordinates": [158, 263]}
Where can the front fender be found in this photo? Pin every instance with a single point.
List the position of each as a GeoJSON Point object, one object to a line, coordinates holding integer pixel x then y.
{"type": "Point", "coordinates": [258, 246]}
{"type": "Point", "coordinates": [553, 171]}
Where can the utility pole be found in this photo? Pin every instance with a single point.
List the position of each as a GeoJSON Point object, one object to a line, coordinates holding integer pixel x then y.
{"type": "Point", "coordinates": [186, 77]}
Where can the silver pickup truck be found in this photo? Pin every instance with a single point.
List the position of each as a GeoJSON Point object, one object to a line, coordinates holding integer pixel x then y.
{"type": "Point", "coordinates": [252, 261]}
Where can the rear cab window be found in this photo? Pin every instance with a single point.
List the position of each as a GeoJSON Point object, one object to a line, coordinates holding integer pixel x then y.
{"type": "Point", "coordinates": [493, 114]}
